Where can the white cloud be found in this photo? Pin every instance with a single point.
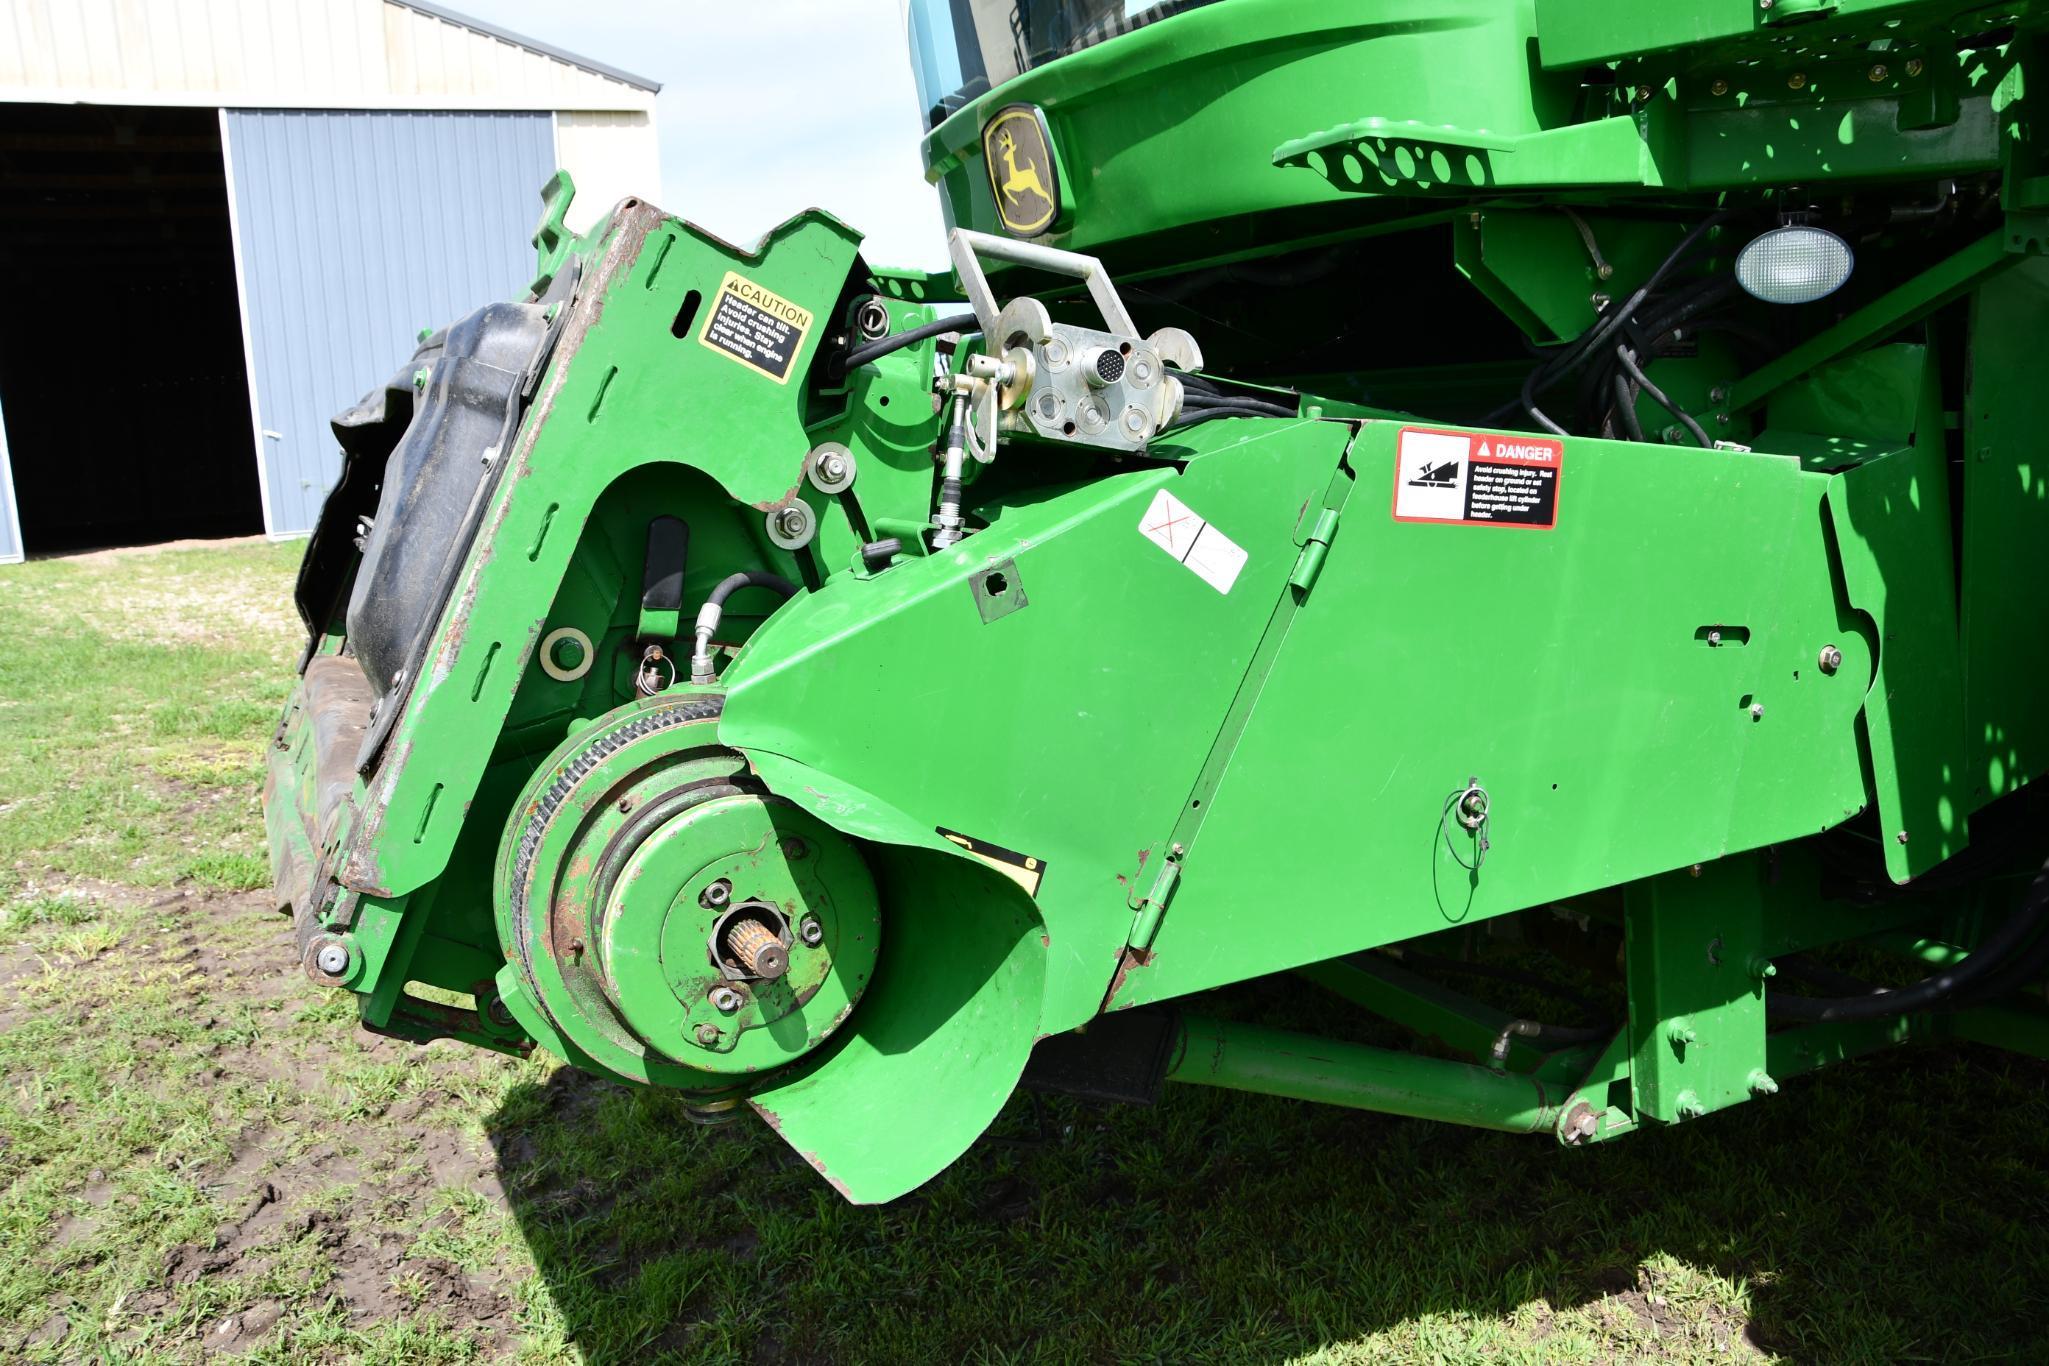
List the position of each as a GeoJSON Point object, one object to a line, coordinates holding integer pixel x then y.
{"type": "Point", "coordinates": [768, 107]}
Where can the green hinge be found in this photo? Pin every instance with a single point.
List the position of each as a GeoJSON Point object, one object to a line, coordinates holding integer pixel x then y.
{"type": "Point", "coordinates": [1315, 550]}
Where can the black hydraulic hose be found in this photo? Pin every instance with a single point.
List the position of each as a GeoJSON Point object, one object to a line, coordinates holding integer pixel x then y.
{"type": "Point", "coordinates": [1196, 402]}
{"type": "Point", "coordinates": [750, 578]}
{"type": "Point", "coordinates": [964, 323]}
{"type": "Point", "coordinates": [1939, 989]}
{"type": "Point", "coordinates": [1686, 419]}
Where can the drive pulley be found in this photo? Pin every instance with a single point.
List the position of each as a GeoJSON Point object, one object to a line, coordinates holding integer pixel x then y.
{"type": "Point", "coordinates": [670, 917]}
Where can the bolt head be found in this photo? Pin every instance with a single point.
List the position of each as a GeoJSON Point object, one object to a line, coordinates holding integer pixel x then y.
{"type": "Point", "coordinates": [810, 931]}
{"type": "Point", "coordinates": [1831, 659]}
{"type": "Point", "coordinates": [1757, 711]}
{"type": "Point", "coordinates": [1901, 837]}
{"type": "Point", "coordinates": [1880, 72]}
{"type": "Point", "coordinates": [725, 1000]}
{"type": "Point", "coordinates": [833, 468]}
{"type": "Point", "coordinates": [1797, 81]}
{"type": "Point", "coordinates": [1914, 66]}
{"type": "Point", "coordinates": [332, 959]}
{"type": "Point", "coordinates": [716, 895]}
{"type": "Point", "coordinates": [1720, 87]}
{"type": "Point", "coordinates": [1714, 637]}
{"type": "Point", "coordinates": [708, 1034]}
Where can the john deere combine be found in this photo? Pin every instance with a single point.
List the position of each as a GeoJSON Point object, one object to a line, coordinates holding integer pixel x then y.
{"type": "Point", "coordinates": [1387, 489]}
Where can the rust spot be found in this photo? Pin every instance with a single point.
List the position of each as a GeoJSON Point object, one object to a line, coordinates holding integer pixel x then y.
{"type": "Point", "coordinates": [1131, 958]}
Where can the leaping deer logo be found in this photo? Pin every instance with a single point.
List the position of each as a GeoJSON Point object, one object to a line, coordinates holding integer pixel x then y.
{"type": "Point", "coordinates": [1019, 180]}
{"type": "Point", "coordinates": [1021, 172]}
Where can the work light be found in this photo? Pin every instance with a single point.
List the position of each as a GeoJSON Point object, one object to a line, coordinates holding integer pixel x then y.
{"type": "Point", "coordinates": [1794, 264]}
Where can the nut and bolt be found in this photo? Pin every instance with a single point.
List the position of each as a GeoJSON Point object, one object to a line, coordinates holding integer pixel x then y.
{"type": "Point", "coordinates": [1720, 87]}
{"type": "Point", "coordinates": [332, 958]}
{"type": "Point", "coordinates": [1681, 1033]}
{"type": "Point", "coordinates": [1830, 659]}
{"type": "Point", "coordinates": [716, 895]}
{"type": "Point", "coordinates": [1579, 1124]}
{"type": "Point", "coordinates": [791, 522]}
{"type": "Point", "coordinates": [708, 1035]}
{"type": "Point", "coordinates": [1600, 302]}
{"type": "Point", "coordinates": [1643, 92]}
{"type": "Point", "coordinates": [794, 847]}
{"type": "Point", "coordinates": [1914, 66]}
{"type": "Point", "coordinates": [833, 467]}
{"type": "Point", "coordinates": [1797, 81]}
{"type": "Point", "coordinates": [1879, 72]}
{"type": "Point", "coordinates": [498, 1012]}
{"type": "Point", "coordinates": [1762, 1083]}
{"type": "Point", "coordinates": [810, 931]}
{"type": "Point", "coordinates": [1763, 969]}
{"type": "Point", "coordinates": [725, 1000]}
{"type": "Point", "coordinates": [1714, 638]}
{"type": "Point", "coordinates": [1689, 1106]}
{"type": "Point", "coordinates": [1757, 711]}
{"type": "Point", "coordinates": [1901, 837]}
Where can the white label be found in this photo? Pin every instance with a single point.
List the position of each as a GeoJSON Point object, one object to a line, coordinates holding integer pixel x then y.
{"type": "Point", "coordinates": [1430, 476]}
{"type": "Point", "coordinates": [1174, 527]}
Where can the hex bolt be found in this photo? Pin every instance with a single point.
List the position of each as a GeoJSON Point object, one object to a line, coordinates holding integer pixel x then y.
{"type": "Point", "coordinates": [1681, 1032]}
{"type": "Point", "coordinates": [725, 1000]}
{"type": "Point", "coordinates": [794, 847]}
{"type": "Point", "coordinates": [1830, 659]}
{"type": "Point", "coordinates": [332, 958]}
{"type": "Point", "coordinates": [1761, 1083]}
{"type": "Point", "coordinates": [1797, 81]}
{"type": "Point", "coordinates": [1714, 637]}
{"type": "Point", "coordinates": [716, 895]}
{"type": "Point", "coordinates": [790, 522]}
{"type": "Point", "coordinates": [1879, 72]}
{"type": "Point", "coordinates": [1901, 837]}
{"type": "Point", "coordinates": [1763, 969]}
{"type": "Point", "coordinates": [708, 1035]}
{"type": "Point", "coordinates": [833, 467]}
{"type": "Point", "coordinates": [1757, 711]}
{"type": "Point", "coordinates": [1720, 87]}
{"type": "Point", "coordinates": [1689, 1106]}
{"type": "Point", "coordinates": [498, 1012]}
{"type": "Point", "coordinates": [1914, 66]}
{"type": "Point", "coordinates": [810, 931]}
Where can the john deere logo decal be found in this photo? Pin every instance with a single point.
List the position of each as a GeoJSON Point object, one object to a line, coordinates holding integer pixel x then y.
{"type": "Point", "coordinates": [1021, 170]}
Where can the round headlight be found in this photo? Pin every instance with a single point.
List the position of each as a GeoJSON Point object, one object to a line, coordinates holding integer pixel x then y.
{"type": "Point", "coordinates": [1794, 265]}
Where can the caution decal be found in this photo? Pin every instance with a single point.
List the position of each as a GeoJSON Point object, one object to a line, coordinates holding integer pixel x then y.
{"type": "Point", "coordinates": [1477, 478]}
{"type": "Point", "coordinates": [760, 329]}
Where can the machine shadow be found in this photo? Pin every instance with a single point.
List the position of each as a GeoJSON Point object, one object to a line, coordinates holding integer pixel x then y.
{"type": "Point", "coordinates": [1220, 1226]}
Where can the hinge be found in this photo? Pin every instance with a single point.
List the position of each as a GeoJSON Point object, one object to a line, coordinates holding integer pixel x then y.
{"type": "Point", "coordinates": [1315, 550]}
{"type": "Point", "coordinates": [1154, 906]}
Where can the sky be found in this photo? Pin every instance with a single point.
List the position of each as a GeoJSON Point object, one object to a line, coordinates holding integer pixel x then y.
{"type": "Point", "coordinates": [768, 107]}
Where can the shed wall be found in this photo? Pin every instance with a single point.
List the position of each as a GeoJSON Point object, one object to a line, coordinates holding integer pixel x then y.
{"type": "Point", "coordinates": [355, 230]}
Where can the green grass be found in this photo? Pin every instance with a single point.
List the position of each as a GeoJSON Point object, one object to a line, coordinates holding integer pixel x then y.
{"type": "Point", "coordinates": [162, 1065]}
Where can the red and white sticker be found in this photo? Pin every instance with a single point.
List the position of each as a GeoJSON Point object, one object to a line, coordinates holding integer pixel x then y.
{"type": "Point", "coordinates": [1476, 478]}
{"type": "Point", "coordinates": [1206, 552]}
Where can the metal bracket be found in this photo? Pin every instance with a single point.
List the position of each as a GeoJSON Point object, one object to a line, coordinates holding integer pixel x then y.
{"type": "Point", "coordinates": [968, 248]}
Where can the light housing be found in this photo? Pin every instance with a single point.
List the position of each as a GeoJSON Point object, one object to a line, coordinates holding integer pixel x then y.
{"type": "Point", "coordinates": [1794, 264]}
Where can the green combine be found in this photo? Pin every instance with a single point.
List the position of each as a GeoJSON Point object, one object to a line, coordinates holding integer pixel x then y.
{"type": "Point", "coordinates": [1390, 496]}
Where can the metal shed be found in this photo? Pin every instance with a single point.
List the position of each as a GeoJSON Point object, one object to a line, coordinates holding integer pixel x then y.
{"type": "Point", "coordinates": [236, 214]}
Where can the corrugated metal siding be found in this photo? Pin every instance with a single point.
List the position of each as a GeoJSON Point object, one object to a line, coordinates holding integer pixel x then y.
{"type": "Point", "coordinates": [302, 53]}
{"type": "Point", "coordinates": [611, 156]}
{"type": "Point", "coordinates": [10, 520]}
{"type": "Point", "coordinates": [355, 230]}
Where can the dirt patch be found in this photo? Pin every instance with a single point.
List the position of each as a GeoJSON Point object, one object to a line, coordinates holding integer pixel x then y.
{"type": "Point", "coordinates": [348, 1223]}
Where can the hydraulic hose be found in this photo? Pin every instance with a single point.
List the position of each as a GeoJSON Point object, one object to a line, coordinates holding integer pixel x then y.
{"type": "Point", "coordinates": [701, 670]}
{"type": "Point", "coordinates": [1942, 988]}
{"type": "Point", "coordinates": [964, 323]}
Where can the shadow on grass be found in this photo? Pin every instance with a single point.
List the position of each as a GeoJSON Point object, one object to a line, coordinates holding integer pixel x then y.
{"type": "Point", "coordinates": [1889, 1209]}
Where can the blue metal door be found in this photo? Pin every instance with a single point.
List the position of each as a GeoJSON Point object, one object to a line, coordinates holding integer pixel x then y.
{"type": "Point", "coordinates": [354, 230]}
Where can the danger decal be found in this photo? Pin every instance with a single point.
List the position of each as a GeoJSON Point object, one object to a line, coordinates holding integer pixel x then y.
{"type": "Point", "coordinates": [1477, 479]}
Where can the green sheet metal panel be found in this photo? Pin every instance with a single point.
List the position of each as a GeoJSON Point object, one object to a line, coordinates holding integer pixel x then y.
{"type": "Point", "coordinates": [2006, 542]}
{"type": "Point", "coordinates": [1569, 670]}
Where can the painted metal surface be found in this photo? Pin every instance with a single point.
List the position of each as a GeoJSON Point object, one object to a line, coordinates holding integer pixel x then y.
{"type": "Point", "coordinates": [1628, 690]}
{"type": "Point", "coordinates": [612, 155]}
{"type": "Point", "coordinates": [298, 54]}
{"type": "Point", "coordinates": [355, 231]}
{"type": "Point", "coordinates": [10, 518]}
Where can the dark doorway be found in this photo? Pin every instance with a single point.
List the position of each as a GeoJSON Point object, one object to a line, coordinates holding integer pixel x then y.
{"type": "Point", "coordinates": [122, 377]}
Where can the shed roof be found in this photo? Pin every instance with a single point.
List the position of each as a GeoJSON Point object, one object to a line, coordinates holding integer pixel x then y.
{"type": "Point", "coordinates": [308, 54]}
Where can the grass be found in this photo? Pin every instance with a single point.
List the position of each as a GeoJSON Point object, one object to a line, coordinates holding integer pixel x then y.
{"type": "Point", "coordinates": [200, 1151]}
